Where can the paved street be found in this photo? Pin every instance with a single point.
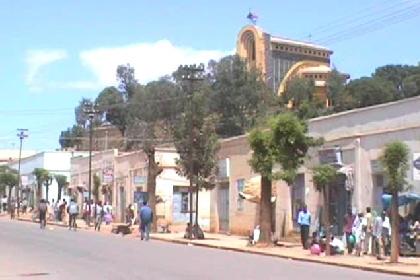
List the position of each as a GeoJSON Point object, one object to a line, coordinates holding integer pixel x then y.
{"type": "Point", "coordinates": [28, 252]}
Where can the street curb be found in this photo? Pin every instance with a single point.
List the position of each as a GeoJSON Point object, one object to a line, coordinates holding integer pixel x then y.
{"type": "Point", "coordinates": [302, 259]}
{"type": "Point", "coordinates": [372, 269]}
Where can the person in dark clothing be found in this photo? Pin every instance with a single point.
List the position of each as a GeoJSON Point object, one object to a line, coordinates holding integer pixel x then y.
{"type": "Point", "coordinates": [146, 219]}
{"type": "Point", "coordinates": [42, 209]}
{"type": "Point", "coordinates": [348, 229]}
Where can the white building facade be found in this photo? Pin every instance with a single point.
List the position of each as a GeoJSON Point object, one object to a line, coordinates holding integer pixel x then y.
{"type": "Point", "coordinates": [55, 162]}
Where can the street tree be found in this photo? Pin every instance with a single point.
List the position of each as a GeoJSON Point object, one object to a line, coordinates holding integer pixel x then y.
{"type": "Point", "coordinates": [196, 142]}
{"type": "Point", "coordinates": [239, 95]}
{"type": "Point", "coordinates": [285, 143]}
{"type": "Point", "coordinates": [151, 111]}
{"type": "Point", "coordinates": [61, 183]}
{"type": "Point", "coordinates": [41, 176]}
{"type": "Point", "coordinates": [324, 176]}
{"type": "Point", "coordinates": [395, 160]}
{"type": "Point", "coordinates": [8, 179]}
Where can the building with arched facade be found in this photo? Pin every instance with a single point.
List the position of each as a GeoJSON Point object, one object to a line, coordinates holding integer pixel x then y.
{"type": "Point", "coordinates": [281, 59]}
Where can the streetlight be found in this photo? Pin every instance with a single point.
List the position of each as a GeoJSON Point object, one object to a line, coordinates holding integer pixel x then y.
{"type": "Point", "coordinates": [191, 73]}
{"type": "Point", "coordinates": [90, 111]}
{"type": "Point", "coordinates": [21, 134]}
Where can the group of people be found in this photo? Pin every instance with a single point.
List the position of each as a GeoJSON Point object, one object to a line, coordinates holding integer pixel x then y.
{"type": "Point", "coordinates": [11, 206]}
{"type": "Point", "coordinates": [365, 233]}
{"type": "Point", "coordinates": [69, 212]}
{"type": "Point", "coordinates": [98, 211]}
{"type": "Point", "coordinates": [145, 219]}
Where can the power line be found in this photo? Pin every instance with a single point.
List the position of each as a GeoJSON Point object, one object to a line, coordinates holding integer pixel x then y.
{"type": "Point", "coordinates": [400, 15]}
{"type": "Point", "coordinates": [361, 14]}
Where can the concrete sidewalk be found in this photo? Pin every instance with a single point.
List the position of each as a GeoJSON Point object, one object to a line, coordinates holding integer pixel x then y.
{"type": "Point", "coordinates": [293, 251]}
{"type": "Point", "coordinates": [407, 266]}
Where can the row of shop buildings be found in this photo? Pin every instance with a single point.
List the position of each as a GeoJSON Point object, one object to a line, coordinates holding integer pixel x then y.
{"type": "Point", "coordinates": [354, 142]}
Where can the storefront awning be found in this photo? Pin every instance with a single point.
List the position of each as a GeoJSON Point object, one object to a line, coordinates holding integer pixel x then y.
{"type": "Point", "coordinates": [403, 199]}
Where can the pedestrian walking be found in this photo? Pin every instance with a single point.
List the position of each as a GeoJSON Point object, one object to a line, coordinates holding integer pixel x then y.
{"type": "Point", "coordinates": [348, 229]}
{"type": "Point", "coordinates": [359, 233]}
{"type": "Point", "coordinates": [386, 234]}
{"type": "Point", "coordinates": [368, 221]}
{"type": "Point", "coordinates": [377, 236]}
{"type": "Point", "coordinates": [73, 210]}
{"type": "Point", "coordinates": [304, 221]}
{"type": "Point", "coordinates": [99, 215]}
{"type": "Point", "coordinates": [4, 203]}
{"type": "Point", "coordinates": [129, 215]}
{"type": "Point", "coordinates": [146, 219]}
{"type": "Point", "coordinates": [55, 209]}
{"type": "Point", "coordinates": [42, 209]}
{"type": "Point", "coordinates": [64, 212]}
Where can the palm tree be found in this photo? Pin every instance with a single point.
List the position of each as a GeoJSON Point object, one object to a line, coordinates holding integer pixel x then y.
{"type": "Point", "coordinates": [42, 175]}
{"type": "Point", "coordinates": [8, 178]}
{"type": "Point", "coordinates": [395, 160]}
{"type": "Point", "coordinates": [61, 183]}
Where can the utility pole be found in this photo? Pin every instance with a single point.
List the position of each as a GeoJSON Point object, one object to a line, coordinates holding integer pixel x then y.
{"type": "Point", "coordinates": [191, 74]}
{"type": "Point", "coordinates": [90, 111]}
{"type": "Point", "coordinates": [22, 135]}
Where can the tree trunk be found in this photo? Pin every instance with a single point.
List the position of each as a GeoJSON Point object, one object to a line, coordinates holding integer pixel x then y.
{"type": "Point", "coordinates": [38, 195]}
{"type": "Point", "coordinates": [265, 210]}
{"type": "Point", "coordinates": [196, 203]}
{"type": "Point", "coordinates": [9, 198]}
{"type": "Point", "coordinates": [327, 219]}
{"type": "Point", "coordinates": [395, 222]}
{"type": "Point", "coordinates": [153, 171]}
{"type": "Point", "coordinates": [46, 191]}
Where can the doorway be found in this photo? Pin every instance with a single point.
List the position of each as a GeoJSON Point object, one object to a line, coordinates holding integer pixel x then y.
{"type": "Point", "coordinates": [223, 207]}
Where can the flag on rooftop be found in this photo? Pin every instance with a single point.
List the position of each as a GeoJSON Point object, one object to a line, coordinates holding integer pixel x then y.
{"type": "Point", "coordinates": [252, 17]}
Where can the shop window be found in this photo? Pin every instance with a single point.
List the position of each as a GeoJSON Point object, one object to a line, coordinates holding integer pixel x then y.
{"type": "Point", "coordinates": [185, 202]}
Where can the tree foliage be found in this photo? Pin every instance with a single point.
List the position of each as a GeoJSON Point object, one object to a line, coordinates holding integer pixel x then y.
{"type": "Point", "coordinates": [239, 95]}
{"type": "Point", "coordinates": [285, 143]}
{"type": "Point", "coordinates": [323, 175]}
{"type": "Point", "coordinates": [195, 140]}
{"type": "Point", "coordinates": [112, 108]}
{"type": "Point", "coordinates": [72, 137]}
{"type": "Point", "coordinates": [395, 161]}
{"type": "Point", "coordinates": [61, 184]}
{"type": "Point", "coordinates": [41, 176]}
{"type": "Point", "coordinates": [127, 81]}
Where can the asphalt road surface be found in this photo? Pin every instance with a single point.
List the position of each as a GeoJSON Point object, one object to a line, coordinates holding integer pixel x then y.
{"type": "Point", "coordinates": [26, 252]}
